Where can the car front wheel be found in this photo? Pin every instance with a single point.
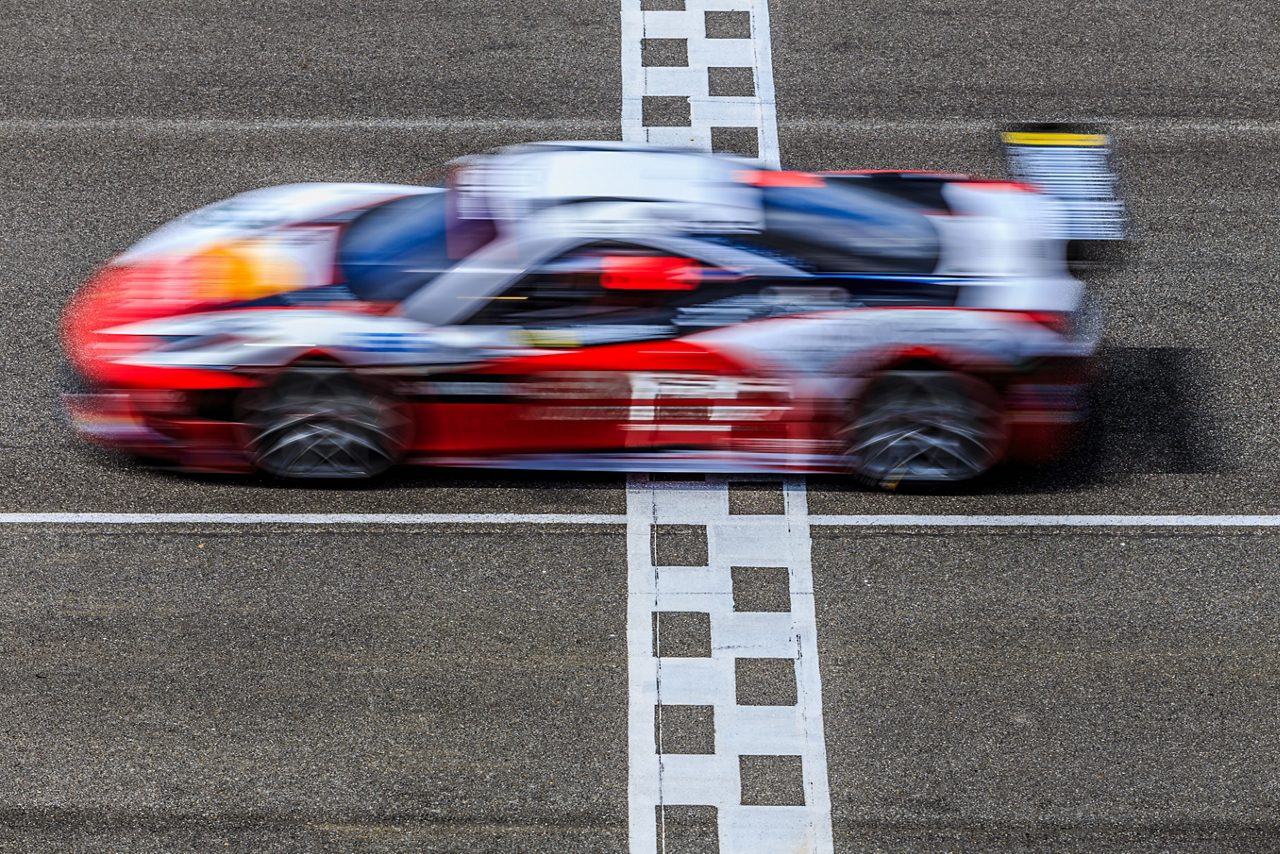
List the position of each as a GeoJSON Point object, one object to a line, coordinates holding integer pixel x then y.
{"type": "Point", "coordinates": [322, 422]}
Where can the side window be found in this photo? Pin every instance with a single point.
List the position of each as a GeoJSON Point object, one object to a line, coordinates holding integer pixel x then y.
{"type": "Point", "coordinates": [846, 228]}
{"type": "Point", "coordinates": [598, 284]}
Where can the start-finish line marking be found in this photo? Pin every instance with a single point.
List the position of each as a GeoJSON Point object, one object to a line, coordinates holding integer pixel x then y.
{"type": "Point", "coordinates": [757, 777]}
{"type": "Point", "coordinates": [696, 631]}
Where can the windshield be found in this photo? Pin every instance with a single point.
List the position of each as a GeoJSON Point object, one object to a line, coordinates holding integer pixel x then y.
{"type": "Point", "coordinates": [394, 249]}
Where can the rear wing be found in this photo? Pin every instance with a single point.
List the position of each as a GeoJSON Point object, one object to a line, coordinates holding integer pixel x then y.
{"type": "Point", "coordinates": [1073, 164]}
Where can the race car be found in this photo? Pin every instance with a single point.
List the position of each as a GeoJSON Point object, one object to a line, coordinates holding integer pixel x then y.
{"type": "Point", "coordinates": [594, 306]}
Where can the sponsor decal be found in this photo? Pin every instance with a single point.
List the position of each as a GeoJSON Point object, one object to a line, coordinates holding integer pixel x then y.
{"type": "Point", "coordinates": [548, 339]}
{"type": "Point", "coordinates": [286, 260]}
{"type": "Point", "coordinates": [379, 341]}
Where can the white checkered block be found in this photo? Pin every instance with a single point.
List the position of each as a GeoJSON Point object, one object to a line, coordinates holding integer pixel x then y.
{"type": "Point", "coordinates": [663, 779]}
{"type": "Point", "coordinates": [692, 81]}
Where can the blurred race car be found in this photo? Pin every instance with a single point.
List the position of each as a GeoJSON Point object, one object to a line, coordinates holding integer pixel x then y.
{"type": "Point", "coordinates": [595, 306]}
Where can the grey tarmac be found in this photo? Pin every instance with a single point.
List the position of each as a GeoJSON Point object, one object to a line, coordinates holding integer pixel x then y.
{"type": "Point", "coordinates": [463, 688]}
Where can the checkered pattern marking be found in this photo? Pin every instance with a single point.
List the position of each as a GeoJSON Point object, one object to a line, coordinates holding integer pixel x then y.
{"type": "Point", "coordinates": [701, 76]}
{"type": "Point", "coordinates": [693, 740]}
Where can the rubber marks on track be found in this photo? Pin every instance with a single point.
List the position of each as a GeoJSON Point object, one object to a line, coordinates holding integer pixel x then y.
{"type": "Point", "coordinates": [699, 74]}
{"type": "Point", "coordinates": [725, 717]}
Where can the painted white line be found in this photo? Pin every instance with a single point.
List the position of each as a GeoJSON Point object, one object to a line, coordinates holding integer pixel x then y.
{"type": "Point", "coordinates": [1047, 521]}
{"type": "Point", "coordinates": [661, 684]}
{"type": "Point", "coordinates": [1166, 124]}
{"type": "Point", "coordinates": [852, 521]}
{"type": "Point", "coordinates": [311, 519]}
{"type": "Point", "coordinates": [589, 126]}
{"type": "Point", "coordinates": [592, 128]}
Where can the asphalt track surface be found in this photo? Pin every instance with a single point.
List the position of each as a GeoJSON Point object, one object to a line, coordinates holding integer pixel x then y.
{"type": "Point", "coordinates": [188, 688]}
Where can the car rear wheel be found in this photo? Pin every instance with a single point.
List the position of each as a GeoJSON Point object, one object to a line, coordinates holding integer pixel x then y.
{"type": "Point", "coordinates": [322, 422]}
{"type": "Point", "coordinates": [924, 426]}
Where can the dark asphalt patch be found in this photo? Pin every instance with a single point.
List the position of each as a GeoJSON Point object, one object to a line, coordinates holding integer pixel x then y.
{"type": "Point", "coordinates": [1151, 411]}
{"type": "Point", "coordinates": [1154, 411]}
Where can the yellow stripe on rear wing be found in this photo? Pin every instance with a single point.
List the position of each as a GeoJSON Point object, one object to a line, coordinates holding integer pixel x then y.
{"type": "Point", "coordinates": [1049, 138]}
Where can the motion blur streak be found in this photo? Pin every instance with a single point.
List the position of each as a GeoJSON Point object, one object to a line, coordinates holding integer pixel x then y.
{"type": "Point", "coordinates": [609, 306]}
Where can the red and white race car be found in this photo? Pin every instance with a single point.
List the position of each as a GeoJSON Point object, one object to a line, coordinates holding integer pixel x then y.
{"type": "Point", "coordinates": [594, 306]}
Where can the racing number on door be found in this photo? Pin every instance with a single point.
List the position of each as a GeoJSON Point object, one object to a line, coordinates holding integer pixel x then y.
{"type": "Point", "coordinates": [699, 409]}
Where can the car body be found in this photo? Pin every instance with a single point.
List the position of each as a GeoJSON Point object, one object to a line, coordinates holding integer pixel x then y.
{"type": "Point", "coordinates": [594, 306]}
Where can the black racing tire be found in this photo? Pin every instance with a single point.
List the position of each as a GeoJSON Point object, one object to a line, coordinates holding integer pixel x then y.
{"type": "Point", "coordinates": [322, 422]}
{"type": "Point", "coordinates": [924, 427]}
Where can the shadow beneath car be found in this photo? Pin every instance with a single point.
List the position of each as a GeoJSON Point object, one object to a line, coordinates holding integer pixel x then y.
{"type": "Point", "coordinates": [1152, 410]}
